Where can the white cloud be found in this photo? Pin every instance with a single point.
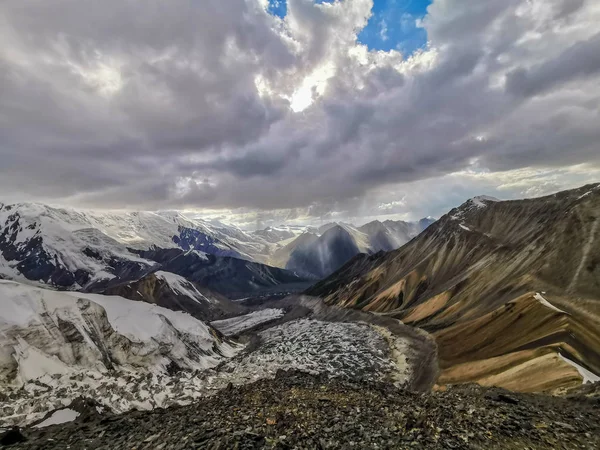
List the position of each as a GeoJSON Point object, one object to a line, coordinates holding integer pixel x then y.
{"type": "Point", "coordinates": [219, 105]}
{"type": "Point", "coordinates": [383, 29]}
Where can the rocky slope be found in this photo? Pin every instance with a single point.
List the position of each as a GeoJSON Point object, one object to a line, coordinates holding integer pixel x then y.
{"type": "Point", "coordinates": [174, 292]}
{"type": "Point", "coordinates": [510, 290]}
{"type": "Point", "coordinates": [297, 410]}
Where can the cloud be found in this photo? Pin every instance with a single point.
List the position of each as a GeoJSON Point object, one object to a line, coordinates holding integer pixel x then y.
{"type": "Point", "coordinates": [219, 105]}
{"type": "Point", "coordinates": [581, 60]}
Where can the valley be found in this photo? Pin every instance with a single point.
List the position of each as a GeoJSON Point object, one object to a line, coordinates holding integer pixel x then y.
{"type": "Point", "coordinates": [494, 295]}
{"type": "Point", "coordinates": [301, 334]}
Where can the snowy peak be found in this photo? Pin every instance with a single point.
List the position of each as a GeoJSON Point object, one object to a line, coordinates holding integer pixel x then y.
{"type": "Point", "coordinates": [76, 249]}
{"type": "Point", "coordinates": [485, 198]}
{"type": "Point", "coordinates": [274, 235]}
{"type": "Point", "coordinates": [184, 287]}
{"type": "Point", "coordinates": [480, 201]}
{"type": "Point", "coordinates": [59, 247]}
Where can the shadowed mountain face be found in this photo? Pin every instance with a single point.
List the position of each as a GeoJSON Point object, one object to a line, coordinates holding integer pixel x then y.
{"type": "Point", "coordinates": [322, 255]}
{"type": "Point", "coordinates": [510, 290]}
{"type": "Point", "coordinates": [231, 277]}
{"type": "Point", "coordinates": [392, 234]}
{"type": "Point", "coordinates": [174, 292]}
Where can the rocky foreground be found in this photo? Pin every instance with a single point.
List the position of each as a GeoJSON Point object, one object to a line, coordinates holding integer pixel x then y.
{"type": "Point", "coordinates": [297, 410]}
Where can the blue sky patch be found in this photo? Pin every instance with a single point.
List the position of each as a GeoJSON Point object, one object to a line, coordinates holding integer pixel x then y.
{"type": "Point", "coordinates": [392, 25]}
{"type": "Point", "coordinates": [278, 8]}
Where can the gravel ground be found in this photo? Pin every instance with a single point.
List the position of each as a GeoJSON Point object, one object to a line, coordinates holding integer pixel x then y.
{"type": "Point", "coordinates": [301, 411]}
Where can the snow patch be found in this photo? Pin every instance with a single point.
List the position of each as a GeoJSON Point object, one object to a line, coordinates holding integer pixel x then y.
{"type": "Point", "coordinates": [58, 417]}
{"type": "Point", "coordinates": [584, 195]}
{"type": "Point", "coordinates": [34, 363]}
{"type": "Point", "coordinates": [464, 227]}
{"type": "Point", "coordinates": [142, 321]}
{"type": "Point", "coordinates": [184, 287]}
{"type": "Point", "coordinates": [201, 255]}
{"type": "Point", "coordinates": [588, 376]}
{"type": "Point", "coordinates": [547, 304]}
{"type": "Point", "coordinates": [480, 200]}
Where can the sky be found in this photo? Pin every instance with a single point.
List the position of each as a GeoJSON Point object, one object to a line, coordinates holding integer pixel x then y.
{"type": "Point", "coordinates": [265, 111]}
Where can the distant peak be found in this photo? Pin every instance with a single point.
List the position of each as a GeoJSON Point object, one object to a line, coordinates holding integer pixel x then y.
{"type": "Point", "coordinates": [480, 200]}
{"type": "Point", "coordinates": [486, 198]}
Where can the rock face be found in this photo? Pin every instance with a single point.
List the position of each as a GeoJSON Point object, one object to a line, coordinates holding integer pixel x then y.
{"type": "Point", "coordinates": [297, 410]}
{"type": "Point", "coordinates": [231, 277]}
{"type": "Point", "coordinates": [45, 333]}
{"type": "Point", "coordinates": [510, 290]}
{"type": "Point", "coordinates": [174, 292]}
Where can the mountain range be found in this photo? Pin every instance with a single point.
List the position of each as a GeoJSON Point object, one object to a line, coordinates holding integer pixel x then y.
{"type": "Point", "coordinates": [322, 251]}
{"type": "Point", "coordinates": [93, 251]}
{"type": "Point", "coordinates": [145, 310]}
{"type": "Point", "coordinates": [509, 289]}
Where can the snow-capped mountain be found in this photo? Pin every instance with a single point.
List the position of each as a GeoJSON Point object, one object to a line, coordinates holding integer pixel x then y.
{"type": "Point", "coordinates": [44, 332]}
{"type": "Point", "coordinates": [275, 234]}
{"type": "Point", "coordinates": [93, 250]}
{"type": "Point", "coordinates": [392, 234]}
{"type": "Point", "coordinates": [76, 249]}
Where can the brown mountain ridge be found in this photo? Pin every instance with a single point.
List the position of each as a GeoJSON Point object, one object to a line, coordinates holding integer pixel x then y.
{"type": "Point", "coordinates": [509, 289]}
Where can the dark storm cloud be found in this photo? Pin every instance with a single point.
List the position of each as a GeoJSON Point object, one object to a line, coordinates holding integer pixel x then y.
{"type": "Point", "coordinates": [193, 104]}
